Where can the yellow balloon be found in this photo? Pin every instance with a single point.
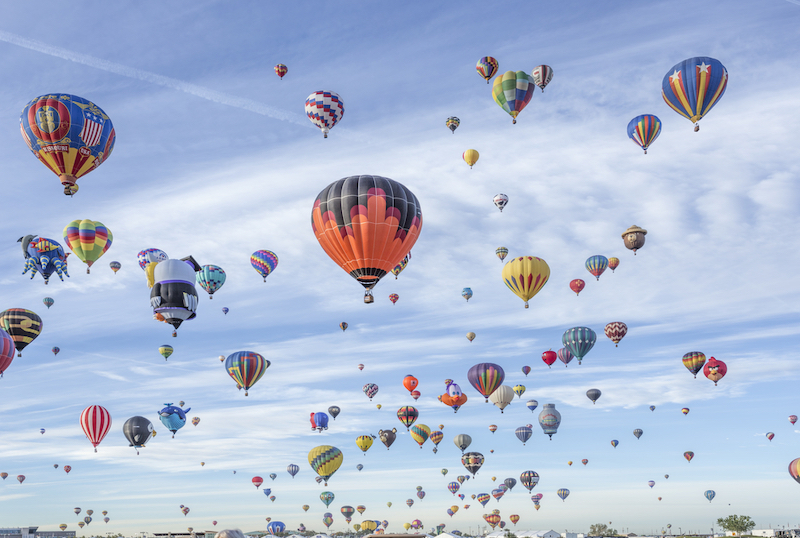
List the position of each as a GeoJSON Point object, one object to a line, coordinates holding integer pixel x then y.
{"type": "Point", "coordinates": [325, 460]}
{"type": "Point", "coordinates": [525, 276]}
{"type": "Point", "coordinates": [471, 156]}
{"type": "Point", "coordinates": [454, 508]}
{"type": "Point", "coordinates": [406, 526]}
{"type": "Point", "coordinates": [364, 442]}
{"type": "Point", "coordinates": [494, 478]}
{"type": "Point", "coordinates": [378, 406]}
{"type": "Point", "coordinates": [202, 464]}
{"type": "Point", "coordinates": [389, 504]}
{"type": "Point", "coordinates": [368, 525]}
{"type": "Point", "coordinates": [420, 433]}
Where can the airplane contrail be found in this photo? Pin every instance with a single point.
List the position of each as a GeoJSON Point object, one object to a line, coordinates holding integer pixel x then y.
{"type": "Point", "coordinates": [146, 76]}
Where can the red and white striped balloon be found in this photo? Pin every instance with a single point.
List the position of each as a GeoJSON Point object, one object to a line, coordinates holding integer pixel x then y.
{"type": "Point", "coordinates": [616, 330]}
{"type": "Point", "coordinates": [95, 421]}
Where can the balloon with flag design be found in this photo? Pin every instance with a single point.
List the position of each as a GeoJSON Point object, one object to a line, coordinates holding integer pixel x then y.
{"type": "Point", "coordinates": [692, 87]}
{"type": "Point", "coordinates": [68, 134]}
{"type": "Point", "coordinates": [325, 109]}
{"type": "Point", "coordinates": [644, 130]}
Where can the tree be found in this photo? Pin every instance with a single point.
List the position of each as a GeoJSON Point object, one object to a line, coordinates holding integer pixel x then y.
{"type": "Point", "coordinates": [738, 524]}
{"type": "Point", "coordinates": [601, 529]}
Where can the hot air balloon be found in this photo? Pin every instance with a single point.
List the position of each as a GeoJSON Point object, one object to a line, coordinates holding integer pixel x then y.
{"type": "Point", "coordinates": [63, 526]}
{"type": "Point", "coordinates": [651, 483]}
{"type": "Point", "coordinates": [361, 508]}
{"type": "Point", "coordinates": [366, 224]}
{"type": "Point", "coordinates": [709, 494]}
{"type": "Point", "coordinates": [638, 432]}
{"type": "Point", "coordinates": [593, 394]}
{"type": "Point", "coordinates": [394, 298]}
{"type": "Point", "coordinates": [453, 487]}
{"type": "Point", "coordinates": [165, 351]}
{"type": "Point", "coordinates": [44, 256]}
{"type": "Point", "coordinates": [324, 109]}
{"type": "Point", "coordinates": [569, 463]}
{"type": "Point", "coordinates": [466, 293]}
{"type": "Point", "coordinates": [436, 438]}
{"type": "Point", "coordinates": [410, 383]}
{"type": "Point", "coordinates": [793, 419]}
{"type": "Point", "coordinates": [325, 460]}
{"type": "Point", "coordinates": [487, 67]}
{"type": "Point", "coordinates": [523, 433]}
{"type": "Point", "coordinates": [400, 266]}
{"type": "Point", "coordinates": [264, 262]}
{"type": "Point", "coordinates": [542, 75]}
{"type": "Point", "coordinates": [452, 124]}
{"type": "Point", "coordinates": [334, 411]}
{"type": "Point", "coordinates": [138, 431]}
{"type": "Point", "coordinates": [81, 524]}
{"type": "Point", "coordinates": [579, 341]}
{"type": "Point", "coordinates": [577, 285]}
{"type": "Point", "coordinates": [549, 357]}
{"type": "Point", "coordinates": [688, 455]}
{"type": "Point", "coordinates": [173, 296]}
{"type": "Point", "coordinates": [596, 265]}
{"type": "Point", "coordinates": [387, 437]}
{"type": "Point", "coordinates": [501, 252]}
{"type": "Point", "coordinates": [584, 461]}
{"type": "Point", "coordinates": [525, 370]}
{"type": "Point", "coordinates": [211, 278]}
{"type": "Point", "coordinates": [685, 410]}
{"type": "Point", "coordinates": [343, 326]}
{"type": "Point", "coordinates": [420, 433]}
{"type": "Point", "coordinates": [532, 405]}
{"type": "Point", "coordinates": [280, 70]}
{"type": "Point", "coordinates": [409, 503]}
{"type": "Point", "coordinates": [483, 498]}
{"type": "Point", "coordinates": [634, 238]}
{"type": "Point", "coordinates": [70, 135]}
{"type": "Point", "coordinates": [23, 326]}
{"type": "Point", "coordinates": [770, 435]}
{"type": "Point", "coordinates": [486, 377]}
{"type": "Point", "coordinates": [563, 493]}
{"type": "Point", "coordinates": [525, 276]}
{"type": "Point", "coordinates": [498, 493]}
{"type": "Point", "coordinates": [21, 478]}
{"type": "Point", "coordinates": [360, 367]}
{"type": "Point", "coordinates": [471, 336]}
{"type": "Point", "coordinates": [48, 302]}
{"type": "Point", "coordinates": [173, 417]}
{"type": "Point", "coordinates": [794, 470]}
{"type": "Point", "coordinates": [370, 389]}
{"type": "Point", "coordinates": [644, 130]}
{"type": "Point", "coordinates": [95, 421]}
{"type": "Point", "coordinates": [292, 469]}
{"type": "Point", "coordinates": [519, 390]}
{"type": "Point", "coordinates": [326, 497]}
{"type": "Point", "coordinates": [364, 442]}
{"type": "Point", "coordinates": [348, 511]}
{"type": "Point", "coordinates": [462, 441]}
{"type": "Point", "coordinates": [501, 201]}
{"type": "Point", "coordinates": [471, 156]}
{"type": "Point", "coordinates": [88, 240]}
{"type": "Point", "coordinates": [305, 508]}
{"type": "Point", "coordinates": [502, 396]}
{"type": "Point", "coordinates": [56, 350]}
{"type": "Point", "coordinates": [246, 368]}
{"type": "Point", "coordinates": [549, 419]}
{"type": "Point", "coordinates": [513, 91]}
{"type": "Point", "coordinates": [692, 87]}
{"type": "Point", "coordinates": [616, 331]}
{"type": "Point", "coordinates": [694, 361]}
{"type": "Point", "coordinates": [115, 266]}
{"type": "Point", "coordinates": [319, 421]}
{"type": "Point", "coordinates": [715, 370]}
{"type": "Point", "coordinates": [275, 527]}
{"type": "Point", "coordinates": [492, 428]}
{"type": "Point", "coordinates": [565, 356]}
{"type": "Point", "coordinates": [472, 461]}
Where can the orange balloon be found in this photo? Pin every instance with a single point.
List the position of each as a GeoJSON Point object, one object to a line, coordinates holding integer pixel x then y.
{"type": "Point", "coordinates": [410, 383]}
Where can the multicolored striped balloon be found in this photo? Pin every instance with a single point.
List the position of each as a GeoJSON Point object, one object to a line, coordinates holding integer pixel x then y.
{"type": "Point", "coordinates": [453, 123]}
{"type": "Point", "coordinates": [579, 341]}
{"type": "Point", "coordinates": [407, 415]}
{"type": "Point", "coordinates": [694, 361]}
{"type": "Point", "coordinates": [420, 433]}
{"type": "Point", "coordinates": [596, 265]}
{"type": "Point", "coordinates": [692, 87]}
{"type": "Point", "coordinates": [281, 70]}
{"type": "Point", "coordinates": [487, 67]}
{"type": "Point", "coordinates": [264, 262]}
{"type": "Point", "coordinates": [513, 91]}
{"type": "Point", "coordinates": [486, 377]}
{"type": "Point", "coordinates": [644, 130]}
{"type": "Point", "coordinates": [6, 351]}
{"type": "Point", "coordinates": [794, 469]}
{"type": "Point", "coordinates": [563, 493]}
{"type": "Point", "coordinates": [88, 240]}
{"type": "Point", "coordinates": [22, 325]}
{"type": "Point", "coordinates": [246, 368]}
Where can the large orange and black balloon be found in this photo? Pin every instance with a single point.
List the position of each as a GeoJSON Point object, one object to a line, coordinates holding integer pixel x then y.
{"type": "Point", "coordinates": [366, 224]}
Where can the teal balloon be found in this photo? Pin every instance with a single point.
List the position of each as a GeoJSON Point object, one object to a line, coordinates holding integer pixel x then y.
{"type": "Point", "coordinates": [211, 278]}
{"type": "Point", "coordinates": [579, 341]}
{"type": "Point", "coordinates": [326, 497]}
{"type": "Point", "coordinates": [48, 302]}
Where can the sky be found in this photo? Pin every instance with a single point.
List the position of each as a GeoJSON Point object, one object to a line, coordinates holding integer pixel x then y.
{"type": "Point", "coordinates": [215, 159]}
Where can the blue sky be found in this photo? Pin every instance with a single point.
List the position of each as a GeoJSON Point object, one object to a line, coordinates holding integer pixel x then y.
{"type": "Point", "coordinates": [214, 158]}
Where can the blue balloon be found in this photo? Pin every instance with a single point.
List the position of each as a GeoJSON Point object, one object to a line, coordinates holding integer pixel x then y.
{"type": "Point", "coordinates": [173, 417]}
{"type": "Point", "coordinates": [276, 527]}
{"type": "Point", "coordinates": [225, 310]}
{"type": "Point", "coordinates": [710, 495]}
{"type": "Point", "coordinates": [692, 87]}
{"type": "Point", "coordinates": [524, 433]}
{"type": "Point", "coordinates": [321, 420]}
{"type": "Point", "coordinates": [292, 469]}
{"type": "Point", "coordinates": [532, 404]}
{"type": "Point", "coordinates": [267, 491]}
{"type": "Point", "coordinates": [44, 256]}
